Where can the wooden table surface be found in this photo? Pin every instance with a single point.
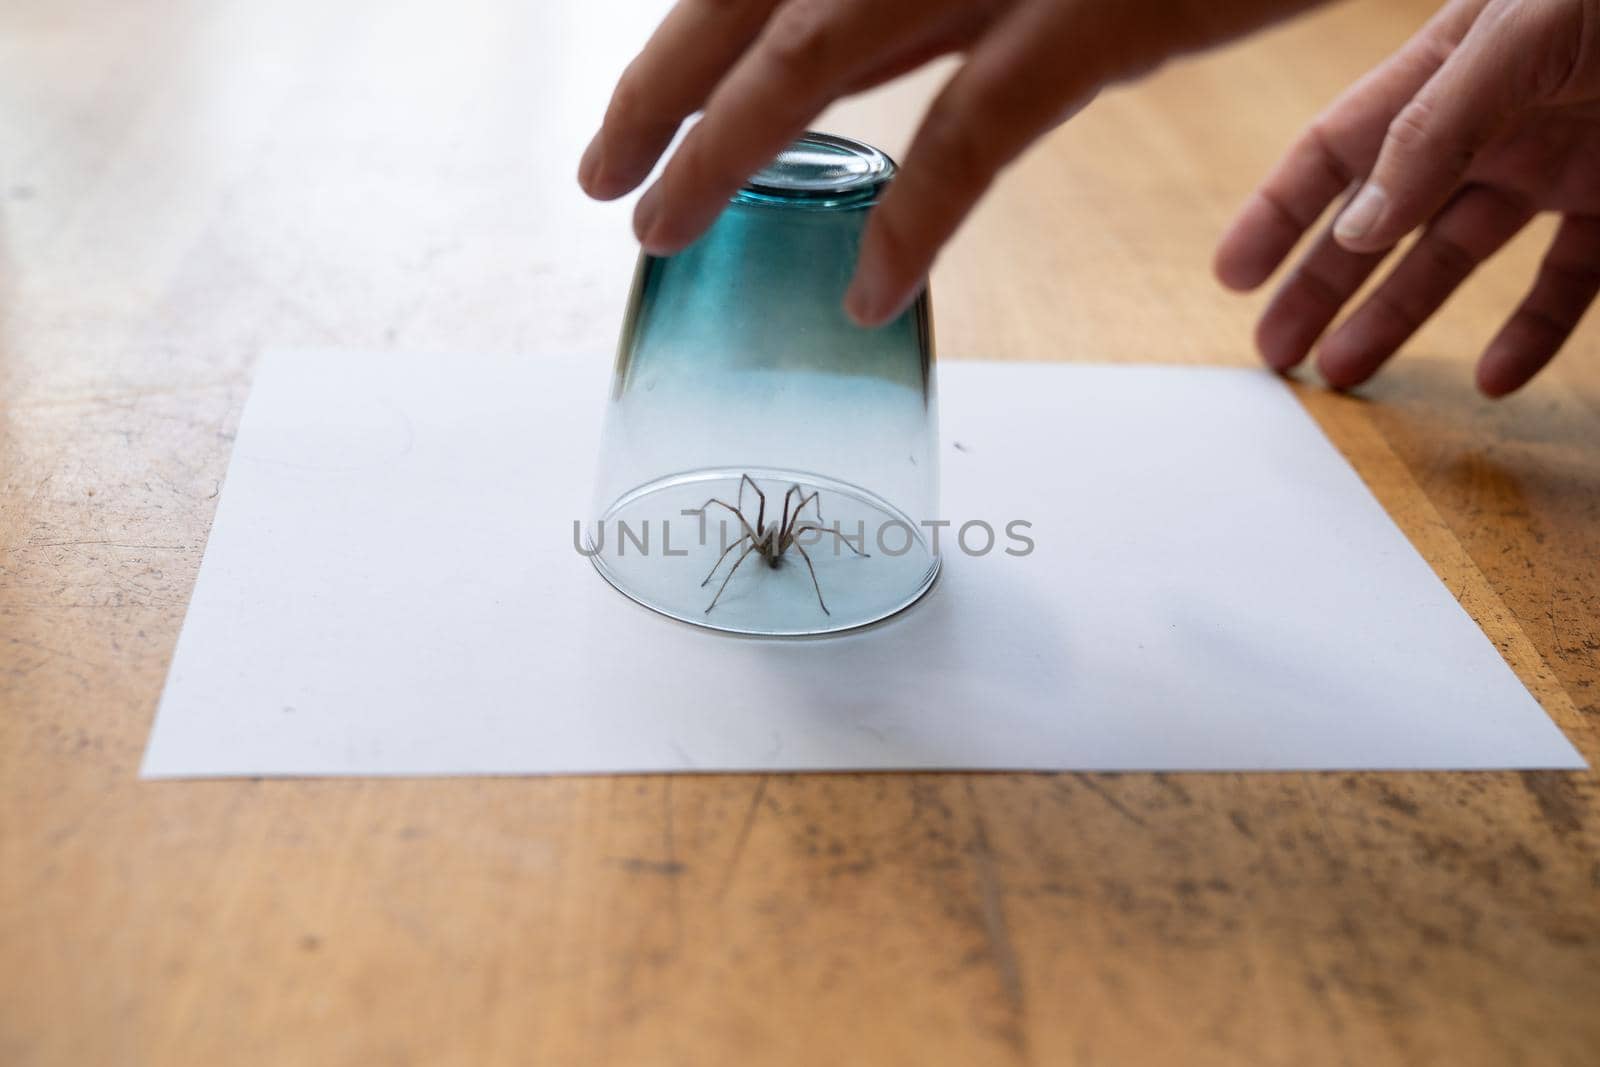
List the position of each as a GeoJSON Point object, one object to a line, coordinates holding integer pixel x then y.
{"type": "Point", "coordinates": [184, 182]}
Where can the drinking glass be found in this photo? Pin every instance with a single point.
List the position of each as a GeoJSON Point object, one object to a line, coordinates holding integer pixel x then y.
{"type": "Point", "coordinates": [767, 466]}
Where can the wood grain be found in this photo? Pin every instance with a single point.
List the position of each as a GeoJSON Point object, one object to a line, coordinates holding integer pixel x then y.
{"type": "Point", "coordinates": [182, 183]}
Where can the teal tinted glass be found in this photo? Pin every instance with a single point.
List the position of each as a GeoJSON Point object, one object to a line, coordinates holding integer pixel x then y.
{"type": "Point", "coordinates": [789, 455]}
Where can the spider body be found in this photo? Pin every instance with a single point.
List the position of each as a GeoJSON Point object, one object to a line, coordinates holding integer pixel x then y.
{"type": "Point", "coordinates": [771, 541]}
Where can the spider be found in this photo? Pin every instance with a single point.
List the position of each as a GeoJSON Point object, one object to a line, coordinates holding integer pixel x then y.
{"type": "Point", "coordinates": [772, 541]}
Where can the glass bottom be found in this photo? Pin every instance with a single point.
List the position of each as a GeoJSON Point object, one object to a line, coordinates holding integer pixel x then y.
{"type": "Point", "coordinates": [664, 546]}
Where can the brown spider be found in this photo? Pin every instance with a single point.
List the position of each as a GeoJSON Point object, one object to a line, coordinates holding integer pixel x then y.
{"type": "Point", "coordinates": [773, 541]}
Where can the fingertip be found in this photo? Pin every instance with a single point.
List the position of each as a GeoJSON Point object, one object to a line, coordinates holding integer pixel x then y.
{"type": "Point", "coordinates": [856, 310]}
{"type": "Point", "coordinates": [620, 157]}
{"type": "Point", "coordinates": [645, 213]}
{"type": "Point", "coordinates": [1230, 261]}
{"type": "Point", "coordinates": [618, 172]}
{"type": "Point", "coordinates": [1492, 382]}
{"type": "Point", "coordinates": [888, 274]}
{"type": "Point", "coordinates": [662, 241]}
{"type": "Point", "coordinates": [607, 186]}
{"type": "Point", "coordinates": [855, 304]}
{"type": "Point", "coordinates": [666, 225]}
{"type": "Point", "coordinates": [872, 301]}
{"type": "Point", "coordinates": [647, 221]}
{"type": "Point", "coordinates": [1225, 266]}
{"type": "Point", "coordinates": [589, 166]}
{"type": "Point", "coordinates": [1516, 355]}
{"type": "Point", "coordinates": [1342, 369]}
{"type": "Point", "coordinates": [1334, 372]}
{"type": "Point", "coordinates": [1232, 272]}
{"type": "Point", "coordinates": [1253, 246]}
{"type": "Point", "coordinates": [1279, 341]}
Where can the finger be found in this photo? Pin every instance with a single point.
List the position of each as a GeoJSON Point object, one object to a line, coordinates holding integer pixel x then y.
{"type": "Point", "coordinates": [1339, 146]}
{"type": "Point", "coordinates": [1468, 231]}
{"type": "Point", "coordinates": [1308, 300]}
{"type": "Point", "coordinates": [671, 78]}
{"type": "Point", "coordinates": [1011, 89]}
{"type": "Point", "coordinates": [808, 54]}
{"type": "Point", "coordinates": [1503, 66]}
{"type": "Point", "coordinates": [1282, 209]}
{"type": "Point", "coordinates": [1566, 285]}
{"type": "Point", "coordinates": [895, 64]}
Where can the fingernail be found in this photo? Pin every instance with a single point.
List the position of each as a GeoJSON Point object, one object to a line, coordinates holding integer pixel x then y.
{"type": "Point", "coordinates": [644, 217]}
{"type": "Point", "coordinates": [589, 165]}
{"type": "Point", "coordinates": [1358, 219]}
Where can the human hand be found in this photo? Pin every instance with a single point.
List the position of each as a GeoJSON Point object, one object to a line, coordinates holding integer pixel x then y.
{"type": "Point", "coordinates": [1489, 115]}
{"type": "Point", "coordinates": [763, 69]}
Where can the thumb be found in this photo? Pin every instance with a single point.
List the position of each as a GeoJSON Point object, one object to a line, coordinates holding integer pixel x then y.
{"type": "Point", "coordinates": [1498, 70]}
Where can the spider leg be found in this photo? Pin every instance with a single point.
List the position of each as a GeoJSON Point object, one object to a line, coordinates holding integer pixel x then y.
{"type": "Point", "coordinates": [761, 516]}
{"type": "Point", "coordinates": [793, 525]}
{"type": "Point", "coordinates": [798, 530]}
{"type": "Point", "coordinates": [815, 497]}
{"type": "Point", "coordinates": [803, 555]}
{"type": "Point", "coordinates": [723, 503]}
{"type": "Point", "coordinates": [722, 557]}
{"type": "Point", "coordinates": [729, 578]}
{"type": "Point", "coordinates": [783, 526]}
{"type": "Point", "coordinates": [786, 531]}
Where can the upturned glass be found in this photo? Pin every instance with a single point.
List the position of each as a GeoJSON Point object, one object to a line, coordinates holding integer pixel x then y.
{"type": "Point", "coordinates": [766, 464]}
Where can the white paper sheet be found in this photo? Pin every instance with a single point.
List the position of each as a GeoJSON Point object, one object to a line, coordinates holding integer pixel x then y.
{"type": "Point", "coordinates": [391, 588]}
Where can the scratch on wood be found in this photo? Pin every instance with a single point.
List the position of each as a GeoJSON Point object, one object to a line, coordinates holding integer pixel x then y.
{"type": "Point", "coordinates": [1116, 805]}
{"type": "Point", "coordinates": [1558, 800]}
{"type": "Point", "coordinates": [743, 838]}
{"type": "Point", "coordinates": [1241, 823]}
{"type": "Point", "coordinates": [1003, 952]}
{"type": "Point", "coordinates": [672, 861]}
{"type": "Point", "coordinates": [109, 544]}
{"type": "Point", "coordinates": [640, 865]}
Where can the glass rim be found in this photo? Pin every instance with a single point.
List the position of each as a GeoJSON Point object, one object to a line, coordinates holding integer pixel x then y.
{"type": "Point", "coordinates": [818, 171]}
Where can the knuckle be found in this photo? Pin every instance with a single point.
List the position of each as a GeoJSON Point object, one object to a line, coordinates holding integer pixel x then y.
{"type": "Point", "coordinates": [1576, 277]}
{"type": "Point", "coordinates": [1447, 257]}
{"type": "Point", "coordinates": [1432, 52]}
{"type": "Point", "coordinates": [1320, 140]}
{"type": "Point", "coordinates": [1543, 44]}
{"type": "Point", "coordinates": [1284, 208]}
{"type": "Point", "coordinates": [1412, 128]}
{"type": "Point", "coordinates": [1543, 320]}
{"type": "Point", "coordinates": [1388, 304]}
{"type": "Point", "coordinates": [1563, 39]}
{"type": "Point", "coordinates": [1314, 284]}
{"type": "Point", "coordinates": [1414, 138]}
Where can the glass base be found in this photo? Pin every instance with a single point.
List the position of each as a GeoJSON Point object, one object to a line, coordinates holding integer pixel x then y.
{"type": "Point", "coordinates": [664, 546]}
